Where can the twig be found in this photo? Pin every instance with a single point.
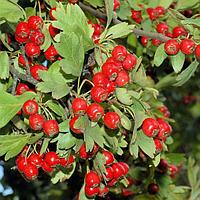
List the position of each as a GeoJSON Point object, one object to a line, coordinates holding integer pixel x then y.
{"type": "Point", "coordinates": [137, 32]}
{"type": "Point", "coordinates": [26, 60]}
{"type": "Point", "coordinates": [14, 85]}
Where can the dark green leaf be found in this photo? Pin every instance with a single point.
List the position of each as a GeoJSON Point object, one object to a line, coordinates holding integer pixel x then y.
{"type": "Point", "coordinates": [160, 55]}
{"type": "Point", "coordinates": [56, 108]}
{"type": "Point", "coordinates": [45, 144]}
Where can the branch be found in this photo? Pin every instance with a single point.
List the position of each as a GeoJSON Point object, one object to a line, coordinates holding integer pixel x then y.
{"type": "Point", "coordinates": [137, 32]}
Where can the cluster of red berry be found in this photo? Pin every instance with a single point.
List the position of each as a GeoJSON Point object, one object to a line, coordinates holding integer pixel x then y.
{"type": "Point", "coordinates": [165, 111]}
{"type": "Point", "coordinates": [159, 129]}
{"type": "Point", "coordinates": [98, 29]}
{"type": "Point", "coordinates": [96, 184]}
{"type": "Point", "coordinates": [29, 164]}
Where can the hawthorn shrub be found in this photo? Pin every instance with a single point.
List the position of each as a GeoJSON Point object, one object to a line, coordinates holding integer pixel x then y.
{"type": "Point", "coordinates": [84, 92]}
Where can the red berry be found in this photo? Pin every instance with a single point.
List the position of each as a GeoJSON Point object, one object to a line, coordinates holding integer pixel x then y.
{"type": "Point", "coordinates": [172, 47]}
{"type": "Point", "coordinates": [37, 37]}
{"type": "Point", "coordinates": [30, 107]}
{"type": "Point", "coordinates": [95, 112]}
{"type": "Point", "coordinates": [32, 50]}
{"type": "Point", "coordinates": [51, 127]}
{"type": "Point", "coordinates": [144, 41]}
{"type": "Point", "coordinates": [119, 53]}
{"type": "Point", "coordinates": [110, 87]}
{"type": "Point", "coordinates": [165, 111]}
{"type": "Point", "coordinates": [158, 145]}
{"type": "Point", "coordinates": [136, 16]}
{"type": "Point", "coordinates": [21, 88]}
{"type": "Point", "coordinates": [51, 53]}
{"type": "Point", "coordinates": [82, 152]}
{"type": "Point", "coordinates": [46, 167]}
{"type": "Point", "coordinates": [53, 31]}
{"type": "Point", "coordinates": [162, 28]}
{"type": "Point", "coordinates": [173, 170]}
{"type": "Point", "coordinates": [51, 13]}
{"type": "Point", "coordinates": [116, 4]}
{"type": "Point", "coordinates": [110, 70]}
{"type": "Point", "coordinates": [91, 192]}
{"type": "Point", "coordinates": [117, 171]}
{"type": "Point", "coordinates": [96, 38]}
{"type": "Point", "coordinates": [187, 46]}
{"type": "Point", "coordinates": [103, 192]}
{"type": "Point", "coordinates": [109, 173]}
{"type": "Point", "coordinates": [99, 79]}
{"type": "Point", "coordinates": [22, 62]}
{"type": "Point", "coordinates": [163, 165]}
{"type": "Point", "coordinates": [35, 159]}
{"type": "Point", "coordinates": [21, 40]}
{"type": "Point", "coordinates": [36, 122]}
{"type": "Point", "coordinates": [92, 179]}
{"type": "Point", "coordinates": [21, 164]}
{"type": "Point", "coordinates": [165, 129]}
{"type": "Point", "coordinates": [153, 13]}
{"type": "Point", "coordinates": [109, 157]}
{"type": "Point", "coordinates": [31, 171]}
{"type": "Point", "coordinates": [97, 29]}
{"type": "Point", "coordinates": [34, 71]}
{"type": "Point", "coordinates": [150, 127]}
{"type": "Point", "coordinates": [51, 159]}
{"type": "Point", "coordinates": [156, 42]}
{"type": "Point", "coordinates": [99, 94]}
{"type": "Point", "coordinates": [129, 62]}
{"type": "Point", "coordinates": [153, 188]}
{"type": "Point", "coordinates": [94, 151]}
{"type": "Point", "coordinates": [179, 31]}
{"type": "Point", "coordinates": [122, 78]}
{"type": "Point", "coordinates": [35, 22]}
{"type": "Point", "coordinates": [118, 64]}
{"type": "Point", "coordinates": [22, 30]}
{"type": "Point", "coordinates": [112, 120]}
{"type": "Point", "coordinates": [72, 126]}
{"type": "Point", "coordinates": [160, 10]}
{"type": "Point", "coordinates": [125, 167]}
{"type": "Point", "coordinates": [127, 192]}
{"type": "Point", "coordinates": [79, 106]}
{"type": "Point", "coordinates": [64, 162]}
{"type": "Point", "coordinates": [197, 52]}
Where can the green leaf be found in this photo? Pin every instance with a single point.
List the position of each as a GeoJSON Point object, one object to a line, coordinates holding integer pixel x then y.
{"type": "Point", "coordinates": [186, 74]}
{"type": "Point", "coordinates": [11, 11]}
{"type": "Point", "coordinates": [10, 105]}
{"type": "Point", "coordinates": [185, 4]}
{"type": "Point", "coordinates": [177, 61]}
{"type": "Point", "coordinates": [109, 5]}
{"type": "Point", "coordinates": [53, 81]}
{"type": "Point", "coordinates": [71, 49]}
{"type": "Point", "coordinates": [4, 65]}
{"type": "Point", "coordinates": [156, 160]}
{"type": "Point", "coordinates": [124, 96]}
{"type": "Point", "coordinates": [146, 144]}
{"type": "Point", "coordinates": [96, 3]}
{"type": "Point", "coordinates": [160, 55]}
{"type": "Point", "coordinates": [56, 107]}
{"type": "Point", "coordinates": [64, 126]}
{"type": "Point", "coordinates": [195, 22]}
{"type": "Point", "coordinates": [100, 163]}
{"type": "Point", "coordinates": [175, 158]}
{"type": "Point", "coordinates": [124, 10]}
{"type": "Point", "coordinates": [165, 4]}
{"type": "Point", "coordinates": [47, 38]}
{"type": "Point", "coordinates": [45, 144]}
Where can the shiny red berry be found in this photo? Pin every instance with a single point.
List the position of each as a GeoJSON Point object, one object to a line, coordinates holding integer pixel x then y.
{"type": "Point", "coordinates": [79, 106]}
{"type": "Point", "coordinates": [179, 31]}
{"type": "Point", "coordinates": [45, 167]}
{"type": "Point", "coordinates": [31, 171]}
{"type": "Point", "coordinates": [99, 79]}
{"type": "Point", "coordinates": [32, 50]}
{"type": "Point", "coordinates": [165, 129]}
{"type": "Point", "coordinates": [173, 170]}
{"type": "Point", "coordinates": [21, 88]}
{"type": "Point", "coordinates": [125, 167]}
{"type": "Point", "coordinates": [172, 47]}
{"type": "Point", "coordinates": [30, 107]}
{"type": "Point", "coordinates": [136, 16]}
{"type": "Point", "coordinates": [91, 191]}
{"type": "Point", "coordinates": [116, 4]}
{"type": "Point", "coordinates": [122, 78]}
{"type": "Point", "coordinates": [129, 62]}
{"type": "Point", "coordinates": [36, 122]}
{"type": "Point", "coordinates": [187, 46]}
{"type": "Point", "coordinates": [22, 62]}
{"type": "Point", "coordinates": [35, 22]}
{"type": "Point", "coordinates": [110, 70]}
{"type": "Point", "coordinates": [110, 87]}
{"type": "Point", "coordinates": [51, 53]}
{"type": "Point", "coordinates": [109, 157]}
{"type": "Point", "coordinates": [72, 124]}
{"type": "Point", "coordinates": [21, 164]}
{"type": "Point", "coordinates": [112, 120]}
{"type": "Point", "coordinates": [22, 30]}
{"type": "Point", "coordinates": [99, 94]}
{"type": "Point", "coordinates": [119, 53]}
{"type": "Point", "coordinates": [37, 37]}
{"type": "Point", "coordinates": [103, 192]}
{"type": "Point", "coordinates": [197, 52]}
{"type": "Point", "coordinates": [95, 111]}
{"type": "Point", "coordinates": [164, 110]}
{"type": "Point", "coordinates": [92, 179]}
{"type": "Point", "coordinates": [158, 145]}
{"type": "Point", "coordinates": [21, 40]}
{"type": "Point", "coordinates": [109, 173]}
{"type": "Point", "coordinates": [50, 127]}
{"type": "Point", "coordinates": [35, 69]}
{"type": "Point", "coordinates": [97, 29]}
{"type": "Point", "coordinates": [150, 127]}
{"type": "Point", "coordinates": [153, 188]}
{"type": "Point", "coordinates": [160, 10]}
{"type": "Point", "coordinates": [162, 27]}
{"type": "Point", "coordinates": [153, 13]}
{"type": "Point", "coordinates": [156, 42]}
{"type": "Point", "coordinates": [118, 171]}
{"type": "Point", "coordinates": [51, 158]}
{"type": "Point", "coordinates": [82, 152]}
{"type": "Point", "coordinates": [144, 41]}
{"type": "Point", "coordinates": [35, 159]}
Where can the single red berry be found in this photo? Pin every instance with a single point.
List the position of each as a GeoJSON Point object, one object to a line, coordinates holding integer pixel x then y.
{"type": "Point", "coordinates": [150, 127]}
{"type": "Point", "coordinates": [30, 107]}
{"type": "Point", "coordinates": [173, 170]}
{"type": "Point", "coordinates": [110, 87]}
{"type": "Point", "coordinates": [197, 52]}
{"type": "Point", "coordinates": [117, 171]}
{"type": "Point", "coordinates": [160, 10]}
{"type": "Point", "coordinates": [91, 192]}
{"type": "Point", "coordinates": [110, 70]}
{"type": "Point", "coordinates": [45, 167]}
{"type": "Point", "coordinates": [95, 112]}
{"type": "Point", "coordinates": [156, 42]}
{"type": "Point", "coordinates": [36, 122]}
{"type": "Point", "coordinates": [53, 31]}
{"type": "Point", "coordinates": [158, 145]}
{"type": "Point", "coordinates": [51, 158]}
{"type": "Point", "coordinates": [172, 47]}
{"type": "Point", "coordinates": [99, 79]}
{"type": "Point", "coordinates": [109, 157]}
{"type": "Point", "coordinates": [79, 106]}
{"type": "Point", "coordinates": [32, 50]}
{"type": "Point", "coordinates": [162, 27]}
{"type": "Point", "coordinates": [129, 62]}
{"type": "Point", "coordinates": [103, 192]}
{"type": "Point", "coordinates": [109, 173]}
{"type": "Point", "coordinates": [21, 40]}
{"type": "Point", "coordinates": [35, 159]}
{"type": "Point", "coordinates": [116, 4]}
{"type": "Point", "coordinates": [169, 34]}
{"type": "Point", "coordinates": [35, 69]}
{"type": "Point", "coordinates": [179, 31]}
{"type": "Point", "coordinates": [21, 88]}
{"type": "Point", "coordinates": [97, 29]}
{"type": "Point", "coordinates": [51, 13]}
{"type": "Point", "coordinates": [37, 37]}
{"type": "Point", "coordinates": [82, 152]}
{"type": "Point", "coordinates": [187, 46]}
{"type": "Point", "coordinates": [136, 16]}
{"type": "Point", "coordinates": [99, 94]}
{"type": "Point", "coordinates": [122, 78]}
{"type": "Point", "coordinates": [127, 192]}
{"type": "Point", "coordinates": [92, 179]}
{"type": "Point", "coordinates": [35, 22]}
{"type": "Point", "coordinates": [165, 129]}
{"type": "Point", "coordinates": [22, 62]}
{"type": "Point", "coordinates": [21, 164]}
{"type": "Point", "coordinates": [119, 53]}
{"type": "Point", "coordinates": [51, 53]}
{"type": "Point", "coordinates": [144, 41]}
{"type": "Point", "coordinates": [72, 125]}
{"type": "Point", "coordinates": [51, 127]}
{"type": "Point", "coordinates": [64, 161]}
{"type": "Point", "coordinates": [153, 188]}
{"type": "Point", "coordinates": [22, 30]}
{"type": "Point", "coordinates": [153, 13]}
{"type": "Point", "coordinates": [112, 120]}
{"type": "Point", "coordinates": [165, 111]}
{"type": "Point", "coordinates": [125, 167]}
{"type": "Point", "coordinates": [95, 38]}
{"type": "Point", "coordinates": [31, 171]}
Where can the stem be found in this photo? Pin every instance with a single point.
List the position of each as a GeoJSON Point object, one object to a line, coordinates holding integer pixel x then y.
{"type": "Point", "coordinates": [14, 85]}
